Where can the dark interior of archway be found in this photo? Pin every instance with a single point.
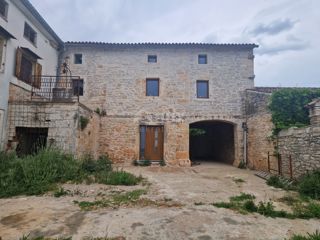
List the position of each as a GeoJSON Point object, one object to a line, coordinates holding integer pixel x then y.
{"type": "Point", "coordinates": [214, 142]}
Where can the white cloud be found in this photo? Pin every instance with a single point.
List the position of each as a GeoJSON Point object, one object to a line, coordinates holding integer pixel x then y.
{"type": "Point", "coordinates": [287, 31]}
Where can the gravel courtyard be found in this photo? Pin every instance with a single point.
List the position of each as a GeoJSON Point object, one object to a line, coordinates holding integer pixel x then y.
{"type": "Point", "coordinates": [184, 211]}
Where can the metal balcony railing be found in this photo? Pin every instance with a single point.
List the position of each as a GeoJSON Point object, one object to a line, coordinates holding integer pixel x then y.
{"type": "Point", "coordinates": [56, 88]}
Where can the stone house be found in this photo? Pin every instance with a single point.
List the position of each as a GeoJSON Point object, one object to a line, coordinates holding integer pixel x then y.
{"type": "Point", "coordinates": [141, 101]}
{"type": "Point", "coordinates": [152, 94]}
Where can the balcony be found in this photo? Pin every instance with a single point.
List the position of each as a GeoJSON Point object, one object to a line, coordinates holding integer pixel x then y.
{"type": "Point", "coordinates": [56, 88]}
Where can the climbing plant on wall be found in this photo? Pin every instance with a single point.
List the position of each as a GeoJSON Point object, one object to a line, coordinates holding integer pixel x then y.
{"type": "Point", "coordinates": [288, 107]}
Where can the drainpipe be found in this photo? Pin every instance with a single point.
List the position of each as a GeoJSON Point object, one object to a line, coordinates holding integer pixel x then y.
{"type": "Point", "coordinates": [2, 128]}
{"type": "Point", "coordinates": [245, 131]}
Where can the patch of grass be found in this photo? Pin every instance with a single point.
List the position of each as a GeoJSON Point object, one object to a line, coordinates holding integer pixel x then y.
{"type": "Point", "coordinates": [40, 173]}
{"type": "Point", "coordinates": [118, 178]}
{"type": "Point", "coordinates": [289, 200]}
{"type": "Point", "coordinates": [312, 236]}
{"type": "Point", "coordinates": [244, 203]}
{"type": "Point", "coordinates": [242, 197]}
{"type": "Point", "coordinates": [115, 200]}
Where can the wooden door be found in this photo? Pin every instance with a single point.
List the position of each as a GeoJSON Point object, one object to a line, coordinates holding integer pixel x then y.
{"type": "Point", "coordinates": [153, 143]}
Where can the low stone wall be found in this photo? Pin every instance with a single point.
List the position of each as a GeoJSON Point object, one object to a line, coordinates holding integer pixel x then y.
{"type": "Point", "coordinates": [303, 145]}
{"type": "Point", "coordinates": [61, 119]}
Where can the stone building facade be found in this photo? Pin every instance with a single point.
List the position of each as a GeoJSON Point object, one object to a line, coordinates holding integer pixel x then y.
{"type": "Point", "coordinates": [115, 81]}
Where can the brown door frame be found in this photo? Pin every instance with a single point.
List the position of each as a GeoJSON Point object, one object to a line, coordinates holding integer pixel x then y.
{"type": "Point", "coordinates": [142, 157]}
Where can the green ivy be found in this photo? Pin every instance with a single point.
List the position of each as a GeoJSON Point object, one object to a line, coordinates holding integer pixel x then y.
{"type": "Point", "coordinates": [288, 107]}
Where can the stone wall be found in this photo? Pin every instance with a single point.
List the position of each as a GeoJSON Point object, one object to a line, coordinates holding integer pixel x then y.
{"type": "Point", "coordinates": [303, 144]}
{"type": "Point", "coordinates": [115, 81]}
{"type": "Point", "coordinates": [61, 119]}
{"type": "Point", "coordinates": [260, 127]}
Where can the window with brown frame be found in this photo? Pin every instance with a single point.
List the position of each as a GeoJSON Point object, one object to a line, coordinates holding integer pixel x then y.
{"type": "Point", "coordinates": [26, 67]}
{"type": "Point", "coordinates": [4, 9]}
{"type": "Point", "coordinates": [202, 89]}
{"type": "Point", "coordinates": [30, 34]}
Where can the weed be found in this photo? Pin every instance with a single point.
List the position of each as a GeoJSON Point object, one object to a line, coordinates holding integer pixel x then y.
{"type": "Point", "coordinates": [289, 200]}
{"type": "Point", "coordinates": [198, 203]}
{"type": "Point", "coordinates": [115, 200]}
{"type": "Point", "coordinates": [60, 192]}
{"type": "Point", "coordinates": [118, 178]}
{"type": "Point", "coordinates": [242, 165]}
{"type": "Point", "coordinates": [238, 180]}
{"type": "Point", "coordinates": [250, 206]}
{"type": "Point", "coordinates": [27, 237]}
{"type": "Point", "coordinates": [312, 236]}
{"type": "Point", "coordinates": [242, 197]}
{"type": "Point", "coordinates": [162, 163]}
{"type": "Point", "coordinates": [83, 122]}
{"type": "Point", "coordinates": [275, 181]}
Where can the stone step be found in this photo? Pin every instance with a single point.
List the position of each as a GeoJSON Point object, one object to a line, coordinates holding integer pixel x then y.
{"type": "Point", "coordinates": [263, 175]}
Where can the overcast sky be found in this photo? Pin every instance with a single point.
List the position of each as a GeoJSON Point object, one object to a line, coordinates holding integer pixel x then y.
{"type": "Point", "coordinates": [288, 31]}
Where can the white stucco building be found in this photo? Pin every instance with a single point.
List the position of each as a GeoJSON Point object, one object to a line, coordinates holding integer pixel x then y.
{"type": "Point", "coordinates": [28, 46]}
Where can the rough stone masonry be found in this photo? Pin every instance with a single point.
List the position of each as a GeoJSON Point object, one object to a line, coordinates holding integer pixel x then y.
{"type": "Point", "coordinates": [115, 82]}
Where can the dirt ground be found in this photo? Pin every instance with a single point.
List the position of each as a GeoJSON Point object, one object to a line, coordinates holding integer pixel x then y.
{"type": "Point", "coordinates": [205, 183]}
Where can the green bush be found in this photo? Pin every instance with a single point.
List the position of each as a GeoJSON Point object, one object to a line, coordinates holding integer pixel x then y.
{"type": "Point", "coordinates": [288, 107]}
{"type": "Point", "coordinates": [83, 122]}
{"type": "Point", "coordinates": [37, 174]}
{"type": "Point", "coordinates": [275, 181]}
{"type": "Point", "coordinates": [309, 185]}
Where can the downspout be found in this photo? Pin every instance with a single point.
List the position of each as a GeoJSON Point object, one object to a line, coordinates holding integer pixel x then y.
{"type": "Point", "coordinates": [245, 132]}
{"type": "Point", "coordinates": [2, 129]}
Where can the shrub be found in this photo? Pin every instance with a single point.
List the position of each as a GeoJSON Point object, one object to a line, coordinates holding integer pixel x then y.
{"type": "Point", "coordinates": [242, 197]}
{"type": "Point", "coordinates": [309, 185]}
{"type": "Point", "coordinates": [250, 206]}
{"type": "Point", "coordinates": [83, 122]}
{"type": "Point", "coordinates": [276, 182]}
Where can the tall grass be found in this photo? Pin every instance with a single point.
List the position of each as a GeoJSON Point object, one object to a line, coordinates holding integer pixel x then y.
{"type": "Point", "coordinates": [37, 174]}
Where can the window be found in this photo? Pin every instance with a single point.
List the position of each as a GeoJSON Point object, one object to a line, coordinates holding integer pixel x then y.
{"type": "Point", "coordinates": [152, 58]}
{"type": "Point", "coordinates": [152, 87]}
{"type": "Point", "coordinates": [202, 59]}
{"type": "Point", "coordinates": [27, 66]}
{"type": "Point", "coordinates": [202, 89]}
{"type": "Point", "coordinates": [77, 87]}
{"type": "Point", "coordinates": [78, 58]}
{"type": "Point", "coordinates": [3, 9]}
{"type": "Point", "coordinates": [30, 34]}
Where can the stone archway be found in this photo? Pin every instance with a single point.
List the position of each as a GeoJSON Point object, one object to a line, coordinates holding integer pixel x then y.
{"type": "Point", "coordinates": [212, 141]}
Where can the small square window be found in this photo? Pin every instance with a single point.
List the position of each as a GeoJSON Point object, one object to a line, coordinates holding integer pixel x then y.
{"type": "Point", "coordinates": [152, 58]}
{"type": "Point", "coordinates": [30, 34]}
{"type": "Point", "coordinates": [78, 58]}
{"type": "Point", "coordinates": [202, 59]}
{"type": "Point", "coordinates": [202, 89]}
{"type": "Point", "coordinates": [4, 9]}
{"type": "Point", "coordinates": [77, 87]}
{"type": "Point", "coordinates": [152, 87]}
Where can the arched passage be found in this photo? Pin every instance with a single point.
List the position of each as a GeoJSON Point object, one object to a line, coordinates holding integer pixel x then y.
{"type": "Point", "coordinates": [212, 141]}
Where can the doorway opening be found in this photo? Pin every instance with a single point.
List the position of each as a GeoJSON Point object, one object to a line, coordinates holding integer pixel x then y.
{"type": "Point", "coordinates": [212, 141]}
{"type": "Point", "coordinates": [30, 140]}
{"type": "Point", "coordinates": [151, 142]}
